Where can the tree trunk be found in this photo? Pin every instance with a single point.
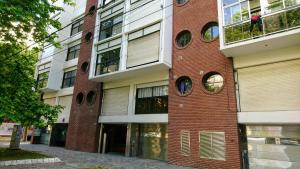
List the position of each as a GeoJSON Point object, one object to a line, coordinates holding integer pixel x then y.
{"type": "Point", "coordinates": [25, 133]}
{"type": "Point", "coordinates": [16, 137]}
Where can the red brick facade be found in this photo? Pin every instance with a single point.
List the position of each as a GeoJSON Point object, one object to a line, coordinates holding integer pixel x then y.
{"type": "Point", "coordinates": [201, 111]}
{"type": "Point", "coordinates": [83, 130]}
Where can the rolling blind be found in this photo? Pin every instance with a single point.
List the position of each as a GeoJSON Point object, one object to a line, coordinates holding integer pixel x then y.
{"type": "Point", "coordinates": [115, 101]}
{"type": "Point", "coordinates": [143, 50]}
{"type": "Point", "coordinates": [270, 87]}
{"type": "Point", "coordinates": [66, 102]}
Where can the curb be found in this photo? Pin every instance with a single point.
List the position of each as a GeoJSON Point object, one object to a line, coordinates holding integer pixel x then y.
{"type": "Point", "coordinates": [30, 161]}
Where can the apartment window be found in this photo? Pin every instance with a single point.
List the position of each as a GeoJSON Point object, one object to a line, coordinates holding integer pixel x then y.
{"type": "Point", "coordinates": [183, 38]}
{"type": "Point", "coordinates": [184, 85]}
{"type": "Point", "coordinates": [210, 32]}
{"type": "Point", "coordinates": [69, 79]}
{"type": "Point", "coordinates": [152, 100]}
{"type": "Point", "coordinates": [235, 11]}
{"type": "Point", "coordinates": [42, 80]}
{"type": "Point", "coordinates": [77, 27]}
{"type": "Point", "coordinates": [108, 62]}
{"type": "Point", "coordinates": [143, 46]}
{"type": "Point", "coordinates": [212, 145]}
{"type": "Point", "coordinates": [213, 82]}
{"type": "Point", "coordinates": [111, 27]}
{"type": "Point", "coordinates": [73, 52]}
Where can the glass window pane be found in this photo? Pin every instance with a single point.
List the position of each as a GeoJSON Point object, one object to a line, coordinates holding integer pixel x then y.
{"type": "Point", "coordinates": [227, 16]}
{"type": "Point", "coordinates": [236, 13]}
{"type": "Point", "coordinates": [228, 2]}
{"type": "Point", "coordinates": [272, 5]}
{"type": "Point", "coordinates": [117, 29]}
{"type": "Point", "coordinates": [245, 11]}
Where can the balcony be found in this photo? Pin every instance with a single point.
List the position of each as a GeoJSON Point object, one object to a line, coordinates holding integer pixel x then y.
{"type": "Point", "coordinates": [278, 27]}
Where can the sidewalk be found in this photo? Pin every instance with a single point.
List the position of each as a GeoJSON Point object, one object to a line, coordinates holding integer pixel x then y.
{"type": "Point", "coordinates": [75, 160]}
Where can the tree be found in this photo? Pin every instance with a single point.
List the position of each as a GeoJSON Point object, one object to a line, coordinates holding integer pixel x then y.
{"type": "Point", "coordinates": [23, 18]}
{"type": "Point", "coordinates": [19, 100]}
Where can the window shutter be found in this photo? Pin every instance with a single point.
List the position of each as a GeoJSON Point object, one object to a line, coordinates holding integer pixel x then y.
{"type": "Point", "coordinates": [143, 50]}
{"type": "Point", "coordinates": [218, 145]}
{"type": "Point", "coordinates": [212, 145]}
{"type": "Point", "coordinates": [66, 102]}
{"type": "Point", "coordinates": [270, 87]}
{"type": "Point", "coordinates": [115, 101]}
{"type": "Point", "coordinates": [205, 145]}
{"type": "Point", "coordinates": [185, 142]}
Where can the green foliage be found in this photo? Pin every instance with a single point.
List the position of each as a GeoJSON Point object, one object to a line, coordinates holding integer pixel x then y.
{"type": "Point", "coordinates": [8, 154]}
{"type": "Point", "coordinates": [21, 19]}
{"type": "Point", "coordinates": [19, 102]}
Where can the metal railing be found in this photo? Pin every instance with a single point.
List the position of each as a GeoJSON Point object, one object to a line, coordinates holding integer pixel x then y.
{"type": "Point", "coordinates": [280, 21]}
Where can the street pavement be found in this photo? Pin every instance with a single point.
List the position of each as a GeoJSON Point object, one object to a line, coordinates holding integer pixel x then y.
{"type": "Point", "coordinates": [78, 160]}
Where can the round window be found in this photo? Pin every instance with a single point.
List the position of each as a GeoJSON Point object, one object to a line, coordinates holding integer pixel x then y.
{"type": "Point", "coordinates": [183, 38]}
{"type": "Point", "coordinates": [91, 97]}
{"type": "Point", "coordinates": [181, 2]}
{"type": "Point", "coordinates": [79, 98]}
{"type": "Point", "coordinates": [88, 37]}
{"type": "Point", "coordinates": [92, 10]}
{"type": "Point", "coordinates": [184, 85]}
{"type": "Point", "coordinates": [213, 82]}
{"type": "Point", "coordinates": [210, 32]}
{"type": "Point", "coordinates": [85, 66]}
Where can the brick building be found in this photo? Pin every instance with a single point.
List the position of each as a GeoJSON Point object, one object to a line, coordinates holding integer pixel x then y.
{"type": "Point", "coordinates": [206, 84]}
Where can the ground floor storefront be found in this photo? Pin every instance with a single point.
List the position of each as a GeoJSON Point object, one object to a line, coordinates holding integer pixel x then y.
{"type": "Point", "coordinates": [52, 135]}
{"type": "Point", "coordinates": [148, 140]}
{"type": "Point", "coordinates": [272, 146]}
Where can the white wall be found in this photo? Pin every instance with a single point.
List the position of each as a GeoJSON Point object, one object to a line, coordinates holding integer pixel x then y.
{"type": "Point", "coordinates": [136, 17]}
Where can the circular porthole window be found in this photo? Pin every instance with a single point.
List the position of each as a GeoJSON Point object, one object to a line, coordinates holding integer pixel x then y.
{"type": "Point", "coordinates": [183, 38]}
{"type": "Point", "coordinates": [210, 32]}
{"type": "Point", "coordinates": [91, 97]}
{"type": "Point", "coordinates": [181, 2]}
{"type": "Point", "coordinates": [213, 82]}
{"type": "Point", "coordinates": [85, 66]}
{"type": "Point", "coordinates": [92, 10]}
{"type": "Point", "coordinates": [88, 37]}
{"type": "Point", "coordinates": [184, 85]}
{"type": "Point", "coordinates": [80, 98]}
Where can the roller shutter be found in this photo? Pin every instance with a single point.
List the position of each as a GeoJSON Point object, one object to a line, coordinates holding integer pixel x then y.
{"type": "Point", "coordinates": [272, 87]}
{"type": "Point", "coordinates": [115, 101]}
{"type": "Point", "coordinates": [66, 102]}
{"type": "Point", "coordinates": [143, 50]}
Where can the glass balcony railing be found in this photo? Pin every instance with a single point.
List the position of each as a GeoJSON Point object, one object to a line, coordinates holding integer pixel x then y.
{"type": "Point", "coordinates": [276, 22]}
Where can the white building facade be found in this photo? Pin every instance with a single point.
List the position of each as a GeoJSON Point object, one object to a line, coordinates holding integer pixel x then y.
{"type": "Point", "coordinates": [56, 69]}
{"type": "Point", "coordinates": [266, 58]}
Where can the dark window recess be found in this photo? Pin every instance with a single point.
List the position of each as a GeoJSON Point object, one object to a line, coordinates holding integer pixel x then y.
{"type": "Point", "coordinates": [77, 27]}
{"type": "Point", "coordinates": [80, 98]}
{"type": "Point", "coordinates": [183, 38]}
{"type": "Point", "coordinates": [111, 27]}
{"type": "Point", "coordinates": [184, 85]}
{"type": "Point", "coordinates": [181, 1]}
{"type": "Point", "coordinates": [106, 2]}
{"type": "Point", "coordinates": [42, 80]}
{"type": "Point", "coordinates": [73, 52]}
{"type": "Point", "coordinates": [108, 62]}
{"type": "Point", "coordinates": [69, 79]}
{"type": "Point", "coordinates": [152, 100]}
